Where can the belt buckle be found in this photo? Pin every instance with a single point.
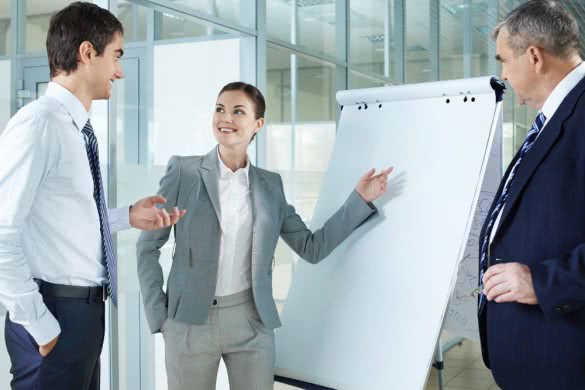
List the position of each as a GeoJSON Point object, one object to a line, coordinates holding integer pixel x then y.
{"type": "Point", "coordinates": [104, 293]}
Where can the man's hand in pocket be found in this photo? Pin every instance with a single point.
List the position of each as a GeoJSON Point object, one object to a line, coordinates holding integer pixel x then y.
{"type": "Point", "coordinates": [44, 350]}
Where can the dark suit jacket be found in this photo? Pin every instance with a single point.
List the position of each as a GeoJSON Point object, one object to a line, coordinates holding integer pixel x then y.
{"type": "Point", "coordinates": [543, 226]}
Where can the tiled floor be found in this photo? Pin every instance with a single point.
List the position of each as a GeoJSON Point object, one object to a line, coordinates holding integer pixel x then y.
{"type": "Point", "coordinates": [464, 370]}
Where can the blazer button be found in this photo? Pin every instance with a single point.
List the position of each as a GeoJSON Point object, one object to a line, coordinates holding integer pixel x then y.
{"type": "Point", "coordinates": [214, 302]}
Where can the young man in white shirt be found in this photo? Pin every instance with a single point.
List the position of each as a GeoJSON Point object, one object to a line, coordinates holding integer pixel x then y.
{"type": "Point", "coordinates": [56, 257]}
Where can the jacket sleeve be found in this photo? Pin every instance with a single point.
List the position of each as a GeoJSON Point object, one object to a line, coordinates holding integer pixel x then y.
{"type": "Point", "coordinates": [314, 247]}
{"type": "Point", "coordinates": [150, 274]}
{"type": "Point", "coordinates": [559, 283]}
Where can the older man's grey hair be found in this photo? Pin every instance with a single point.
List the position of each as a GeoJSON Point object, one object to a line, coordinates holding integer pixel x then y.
{"type": "Point", "coordinates": [542, 23]}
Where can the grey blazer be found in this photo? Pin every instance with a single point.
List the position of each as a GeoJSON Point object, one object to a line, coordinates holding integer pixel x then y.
{"type": "Point", "coordinates": [191, 183]}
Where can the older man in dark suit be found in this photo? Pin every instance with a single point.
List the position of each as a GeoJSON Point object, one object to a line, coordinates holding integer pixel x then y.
{"type": "Point", "coordinates": [532, 257]}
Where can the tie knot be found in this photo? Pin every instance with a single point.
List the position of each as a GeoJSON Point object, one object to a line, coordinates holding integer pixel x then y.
{"type": "Point", "coordinates": [87, 129]}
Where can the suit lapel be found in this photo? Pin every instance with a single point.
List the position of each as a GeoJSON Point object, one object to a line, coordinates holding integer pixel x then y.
{"type": "Point", "coordinates": [545, 141]}
{"type": "Point", "coordinates": [209, 174]}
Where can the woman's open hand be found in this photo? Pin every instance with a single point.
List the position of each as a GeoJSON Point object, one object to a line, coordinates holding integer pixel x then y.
{"type": "Point", "coordinates": [371, 187]}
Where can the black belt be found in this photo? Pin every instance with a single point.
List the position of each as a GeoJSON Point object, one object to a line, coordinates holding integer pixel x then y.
{"type": "Point", "coordinates": [91, 294]}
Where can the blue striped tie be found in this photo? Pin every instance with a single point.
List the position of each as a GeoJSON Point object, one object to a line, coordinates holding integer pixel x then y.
{"type": "Point", "coordinates": [91, 146]}
{"type": "Point", "coordinates": [483, 260]}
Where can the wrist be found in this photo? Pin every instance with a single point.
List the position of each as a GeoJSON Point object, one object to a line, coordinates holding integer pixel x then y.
{"type": "Point", "coordinates": [364, 198]}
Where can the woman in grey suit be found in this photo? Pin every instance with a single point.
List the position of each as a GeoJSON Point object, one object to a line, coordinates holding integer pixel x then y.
{"type": "Point", "coordinates": [218, 302]}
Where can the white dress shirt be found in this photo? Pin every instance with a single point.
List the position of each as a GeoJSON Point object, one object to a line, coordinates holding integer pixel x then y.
{"type": "Point", "coordinates": [550, 106]}
{"type": "Point", "coordinates": [235, 251]}
{"type": "Point", "coordinates": [49, 224]}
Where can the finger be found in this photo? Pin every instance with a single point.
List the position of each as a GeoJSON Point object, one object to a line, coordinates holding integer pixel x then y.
{"type": "Point", "coordinates": [152, 200]}
{"type": "Point", "coordinates": [175, 215]}
{"type": "Point", "coordinates": [166, 217]}
{"type": "Point", "coordinates": [183, 212]}
{"type": "Point", "coordinates": [498, 290]}
{"type": "Point", "coordinates": [508, 297]}
{"type": "Point", "coordinates": [158, 223]}
{"type": "Point", "coordinates": [488, 290]}
{"type": "Point", "coordinates": [385, 173]}
{"type": "Point", "coordinates": [368, 174]}
{"type": "Point", "coordinates": [494, 269]}
{"type": "Point", "coordinates": [378, 177]}
{"type": "Point", "coordinates": [494, 280]}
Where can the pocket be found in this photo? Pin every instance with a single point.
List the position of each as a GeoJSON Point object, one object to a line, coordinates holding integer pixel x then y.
{"type": "Point", "coordinates": [52, 305]}
{"type": "Point", "coordinates": [51, 351]}
{"type": "Point", "coordinates": [256, 323]}
{"type": "Point", "coordinates": [175, 335]}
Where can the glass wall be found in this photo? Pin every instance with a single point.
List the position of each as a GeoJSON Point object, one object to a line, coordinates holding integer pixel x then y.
{"type": "Point", "coordinates": [358, 81]}
{"type": "Point", "coordinates": [5, 28]}
{"type": "Point", "coordinates": [308, 24]}
{"type": "Point", "coordinates": [38, 16]}
{"type": "Point", "coordinates": [5, 98]}
{"type": "Point", "coordinates": [300, 132]}
{"type": "Point", "coordinates": [368, 26]}
{"type": "Point", "coordinates": [233, 11]}
{"type": "Point", "coordinates": [134, 20]}
{"type": "Point", "coordinates": [418, 42]}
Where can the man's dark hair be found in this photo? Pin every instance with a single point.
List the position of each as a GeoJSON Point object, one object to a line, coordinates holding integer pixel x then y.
{"type": "Point", "coordinates": [71, 26]}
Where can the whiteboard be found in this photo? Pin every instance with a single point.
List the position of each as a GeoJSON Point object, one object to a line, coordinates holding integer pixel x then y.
{"type": "Point", "coordinates": [370, 314]}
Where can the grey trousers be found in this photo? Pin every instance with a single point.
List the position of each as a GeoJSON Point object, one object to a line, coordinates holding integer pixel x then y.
{"type": "Point", "coordinates": [233, 331]}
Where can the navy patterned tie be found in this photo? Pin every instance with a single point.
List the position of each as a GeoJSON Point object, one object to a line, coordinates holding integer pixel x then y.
{"type": "Point", "coordinates": [91, 146]}
{"type": "Point", "coordinates": [483, 260]}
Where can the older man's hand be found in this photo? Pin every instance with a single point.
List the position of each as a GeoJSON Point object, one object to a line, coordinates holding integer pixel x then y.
{"type": "Point", "coordinates": [509, 282]}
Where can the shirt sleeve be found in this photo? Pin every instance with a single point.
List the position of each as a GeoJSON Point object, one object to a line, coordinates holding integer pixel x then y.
{"type": "Point", "coordinates": [28, 152]}
{"type": "Point", "coordinates": [119, 219]}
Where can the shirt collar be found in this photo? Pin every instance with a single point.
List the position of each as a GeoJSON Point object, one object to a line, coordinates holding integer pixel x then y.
{"type": "Point", "coordinates": [71, 103]}
{"type": "Point", "coordinates": [560, 92]}
{"type": "Point", "coordinates": [225, 172]}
